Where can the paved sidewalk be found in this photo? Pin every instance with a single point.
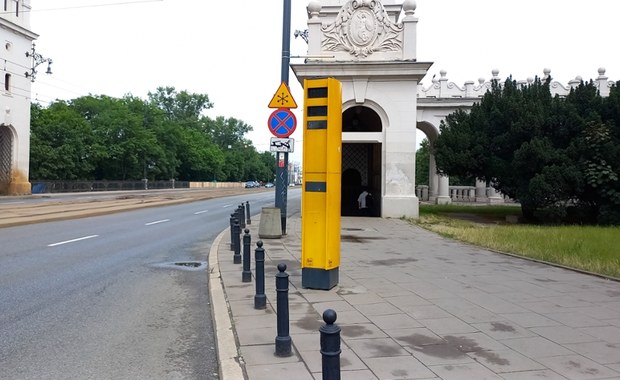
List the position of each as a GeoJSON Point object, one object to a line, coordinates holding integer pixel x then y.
{"type": "Point", "coordinates": [413, 305]}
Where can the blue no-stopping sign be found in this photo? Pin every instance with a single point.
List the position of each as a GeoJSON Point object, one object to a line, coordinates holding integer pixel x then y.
{"type": "Point", "coordinates": [282, 122]}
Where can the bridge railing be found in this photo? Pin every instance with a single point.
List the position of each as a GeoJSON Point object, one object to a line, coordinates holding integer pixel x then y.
{"type": "Point", "coordinates": [443, 88]}
{"type": "Point", "coordinates": [463, 194]}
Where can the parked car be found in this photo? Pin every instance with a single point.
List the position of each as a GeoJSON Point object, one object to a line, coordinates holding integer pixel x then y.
{"type": "Point", "coordinates": [251, 184]}
{"type": "Point", "coordinates": [269, 184]}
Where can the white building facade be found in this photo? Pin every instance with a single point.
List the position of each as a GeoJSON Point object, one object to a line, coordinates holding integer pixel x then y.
{"type": "Point", "coordinates": [17, 40]}
{"type": "Point", "coordinates": [372, 52]}
{"type": "Point", "coordinates": [370, 47]}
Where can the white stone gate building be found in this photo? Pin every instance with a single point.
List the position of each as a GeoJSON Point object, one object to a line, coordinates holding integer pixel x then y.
{"type": "Point", "coordinates": [15, 97]}
{"type": "Point", "coordinates": [370, 47]}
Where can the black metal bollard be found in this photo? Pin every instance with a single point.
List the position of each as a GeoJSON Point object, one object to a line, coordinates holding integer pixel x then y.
{"type": "Point", "coordinates": [242, 215]}
{"type": "Point", "coordinates": [260, 300]}
{"type": "Point", "coordinates": [283, 340]}
{"type": "Point", "coordinates": [237, 239]}
{"type": "Point", "coordinates": [248, 218]}
{"type": "Point", "coordinates": [246, 274]}
{"type": "Point", "coordinates": [330, 346]}
{"type": "Point", "coordinates": [232, 239]}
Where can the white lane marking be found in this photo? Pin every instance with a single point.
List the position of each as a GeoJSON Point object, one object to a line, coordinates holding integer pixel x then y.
{"type": "Point", "coordinates": [72, 240]}
{"type": "Point", "coordinates": [200, 212]}
{"type": "Point", "coordinates": [157, 222]}
{"type": "Point", "coordinates": [12, 203]}
{"type": "Point", "coordinates": [226, 206]}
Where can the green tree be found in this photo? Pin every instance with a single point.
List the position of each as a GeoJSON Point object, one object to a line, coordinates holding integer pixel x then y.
{"type": "Point", "coordinates": [551, 154]}
{"type": "Point", "coordinates": [422, 157]}
{"type": "Point", "coordinates": [60, 143]}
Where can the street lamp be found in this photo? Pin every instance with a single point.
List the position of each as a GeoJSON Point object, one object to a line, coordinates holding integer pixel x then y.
{"type": "Point", "coordinates": [302, 33]}
{"type": "Point", "coordinates": [37, 59]}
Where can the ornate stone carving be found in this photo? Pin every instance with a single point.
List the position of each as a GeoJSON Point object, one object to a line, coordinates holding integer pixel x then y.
{"type": "Point", "coordinates": [361, 28]}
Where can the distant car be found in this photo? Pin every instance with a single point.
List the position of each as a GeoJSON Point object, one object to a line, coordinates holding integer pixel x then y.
{"type": "Point", "coordinates": [251, 184]}
{"type": "Point", "coordinates": [269, 184]}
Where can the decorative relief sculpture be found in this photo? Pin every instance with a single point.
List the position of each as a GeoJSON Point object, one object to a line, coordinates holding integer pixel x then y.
{"type": "Point", "coordinates": [361, 28]}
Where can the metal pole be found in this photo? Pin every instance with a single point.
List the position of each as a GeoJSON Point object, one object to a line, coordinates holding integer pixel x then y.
{"type": "Point", "coordinates": [283, 339]}
{"type": "Point", "coordinates": [247, 213]}
{"type": "Point", "coordinates": [330, 346]}
{"type": "Point", "coordinates": [282, 158]}
{"type": "Point", "coordinates": [246, 274]}
{"type": "Point", "coordinates": [232, 232]}
{"type": "Point", "coordinates": [260, 299]}
{"type": "Point", "coordinates": [237, 237]}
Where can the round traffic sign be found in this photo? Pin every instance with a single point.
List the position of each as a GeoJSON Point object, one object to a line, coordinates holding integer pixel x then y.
{"type": "Point", "coordinates": [282, 122]}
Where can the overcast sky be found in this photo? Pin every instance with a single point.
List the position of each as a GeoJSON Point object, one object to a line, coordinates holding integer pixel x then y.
{"type": "Point", "coordinates": [231, 50]}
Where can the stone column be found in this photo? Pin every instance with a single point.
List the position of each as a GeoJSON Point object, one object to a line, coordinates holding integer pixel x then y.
{"type": "Point", "coordinates": [481, 191]}
{"type": "Point", "coordinates": [494, 196]}
{"type": "Point", "coordinates": [314, 28]}
{"type": "Point", "coordinates": [410, 24]}
{"type": "Point", "coordinates": [433, 179]}
{"type": "Point", "coordinates": [444, 191]}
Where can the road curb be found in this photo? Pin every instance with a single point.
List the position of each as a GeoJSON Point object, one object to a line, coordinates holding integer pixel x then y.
{"type": "Point", "coordinates": [227, 352]}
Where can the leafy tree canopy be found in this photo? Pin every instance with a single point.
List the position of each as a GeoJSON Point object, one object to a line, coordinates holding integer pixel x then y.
{"type": "Point", "coordinates": [163, 137]}
{"type": "Point", "coordinates": [559, 157]}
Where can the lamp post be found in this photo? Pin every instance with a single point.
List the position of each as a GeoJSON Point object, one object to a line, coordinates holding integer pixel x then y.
{"type": "Point", "coordinates": [37, 59]}
{"type": "Point", "coordinates": [282, 159]}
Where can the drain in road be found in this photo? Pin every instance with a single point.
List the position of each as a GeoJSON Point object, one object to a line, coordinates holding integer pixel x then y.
{"type": "Point", "coordinates": [184, 265]}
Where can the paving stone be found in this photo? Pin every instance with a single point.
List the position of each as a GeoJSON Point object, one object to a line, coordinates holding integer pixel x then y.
{"type": "Point", "coordinates": [467, 371]}
{"type": "Point", "coordinates": [436, 354]}
{"type": "Point", "coordinates": [563, 334]}
{"type": "Point", "coordinates": [265, 354]}
{"type": "Point", "coordinates": [426, 312]}
{"type": "Point", "coordinates": [338, 306]}
{"type": "Point", "coordinates": [533, 375]}
{"type": "Point", "coordinates": [530, 319]}
{"type": "Point", "coordinates": [575, 319]}
{"type": "Point", "coordinates": [502, 361]}
{"type": "Point", "coordinates": [250, 335]}
{"type": "Point", "coordinates": [536, 347]}
{"type": "Point", "coordinates": [376, 347]}
{"type": "Point", "coordinates": [502, 329]}
{"type": "Point", "coordinates": [360, 331]}
{"type": "Point", "coordinates": [394, 321]}
{"type": "Point", "coordinates": [355, 375]}
{"type": "Point", "coordinates": [382, 308]}
{"type": "Point", "coordinates": [447, 326]}
{"type": "Point", "coordinates": [600, 352]}
{"type": "Point", "coordinates": [578, 367]}
{"type": "Point", "coordinates": [281, 371]}
{"type": "Point", "coordinates": [400, 367]}
{"type": "Point", "coordinates": [609, 334]}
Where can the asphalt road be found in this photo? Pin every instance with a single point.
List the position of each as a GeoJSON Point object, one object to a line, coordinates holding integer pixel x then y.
{"type": "Point", "coordinates": [102, 298]}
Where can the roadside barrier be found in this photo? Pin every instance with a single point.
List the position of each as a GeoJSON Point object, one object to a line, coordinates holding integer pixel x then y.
{"type": "Point", "coordinates": [237, 242]}
{"type": "Point", "coordinates": [246, 274]}
{"type": "Point", "coordinates": [247, 213]}
{"type": "Point", "coordinates": [283, 340]}
{"type": "Point", "coordinates": [330, 346]}
{"type": "Point", "coordinates": [232, 233]}
{"type": "Point", "coordinates": [260, 300]}
{"type": "Point", "coordinates": [241, 209]}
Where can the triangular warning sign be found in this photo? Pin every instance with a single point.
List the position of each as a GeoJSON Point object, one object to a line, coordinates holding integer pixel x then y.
{"type": "Point", "coordinates": [283, 98]}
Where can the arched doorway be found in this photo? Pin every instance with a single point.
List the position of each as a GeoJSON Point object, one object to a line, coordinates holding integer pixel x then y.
{"type": "Point", "coordinates": [6, 158]}
{"type": "Point", "coordinates": [361, 162]}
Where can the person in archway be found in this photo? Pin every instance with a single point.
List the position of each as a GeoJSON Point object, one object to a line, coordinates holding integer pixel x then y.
{"type": "Point", "coordinates": [364, 202]}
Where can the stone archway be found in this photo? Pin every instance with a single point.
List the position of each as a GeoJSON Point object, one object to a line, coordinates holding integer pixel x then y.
{"type": "Point", "coordinates": [361, 161]}
{"type": "Point", "coordinates": [6, 158]}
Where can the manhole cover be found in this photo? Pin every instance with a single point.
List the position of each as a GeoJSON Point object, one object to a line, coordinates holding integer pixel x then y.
{"type": "Point", "coordinates": [184, 265]}
{"type": "Point", "coordinates": [189, 264]}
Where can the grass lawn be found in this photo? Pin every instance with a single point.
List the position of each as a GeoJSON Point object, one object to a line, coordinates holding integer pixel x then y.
{"type": "Point", "coordinates": [590, 248]}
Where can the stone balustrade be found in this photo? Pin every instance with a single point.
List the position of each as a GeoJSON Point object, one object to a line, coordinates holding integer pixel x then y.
{"type": "Point", "coordinates": [443, 88]}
